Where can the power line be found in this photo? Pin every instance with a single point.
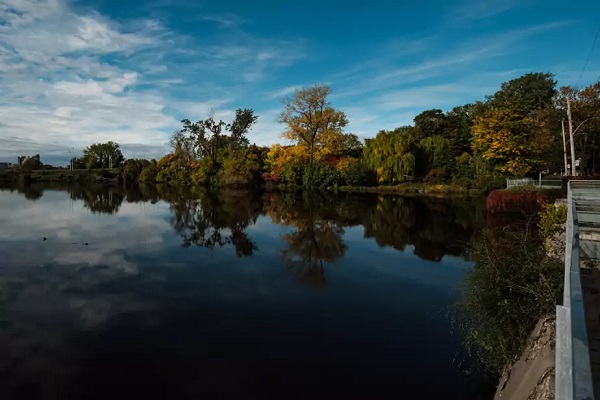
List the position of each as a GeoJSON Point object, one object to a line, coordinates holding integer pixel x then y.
{"type": "Point", "coordinates": [588, 57]}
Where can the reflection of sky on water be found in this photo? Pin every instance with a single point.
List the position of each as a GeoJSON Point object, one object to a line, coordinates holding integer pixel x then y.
{"type": "Point", "coordinates": [68, 226]}
{"type": "Point", "coordinates": [387, 307]}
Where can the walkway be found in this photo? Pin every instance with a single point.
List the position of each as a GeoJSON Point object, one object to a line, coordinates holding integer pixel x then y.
{"type": "Point", "coordinates": [578, 319]}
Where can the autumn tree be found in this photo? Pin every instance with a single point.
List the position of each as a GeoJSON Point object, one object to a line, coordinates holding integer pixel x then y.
{"type": "Point", "coordinates": [342, 144]}
{"type": "Point", "coordinates": [310, 119]}
{"type": "Point", "coordinates": [512, 133]}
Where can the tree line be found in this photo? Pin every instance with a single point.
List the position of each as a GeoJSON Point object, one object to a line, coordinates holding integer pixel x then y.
{"type": "Point", "coordinates": [511, 133]}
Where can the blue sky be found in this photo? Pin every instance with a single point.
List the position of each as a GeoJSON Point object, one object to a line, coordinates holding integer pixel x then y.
{"type": "Point", "coordinates": [77, 72]}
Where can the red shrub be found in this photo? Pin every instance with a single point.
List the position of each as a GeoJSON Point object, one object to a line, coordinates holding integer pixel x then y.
{"type": "Point", "coordinates": [521, 201]}
{"type": "Point", "coordinates": [331, 159]}
{"type": "Point", "coordinates": [270, 177]}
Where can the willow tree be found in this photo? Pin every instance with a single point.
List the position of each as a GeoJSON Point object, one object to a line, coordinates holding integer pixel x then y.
{"type": "Point", "coordinates": [310, 119]}
{"type": "Point", "coordinates": [389, 154]}
{"type": "Point", "coordinates": [436, 153]}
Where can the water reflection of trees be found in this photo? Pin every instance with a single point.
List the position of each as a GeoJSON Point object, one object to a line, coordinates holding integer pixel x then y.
{"type": "Point", "coordinates": [217, 219]}
{"type": "Point", "coordinates": [99, 199]}
{"type": "Point", "coordinates": [435, 227]}
{"type": "Point", "coordinates": [317, 235]}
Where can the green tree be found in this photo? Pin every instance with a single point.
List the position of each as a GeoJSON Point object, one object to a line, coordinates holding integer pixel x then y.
{"type": "Point", "coordinates": [431, 123]}
{"type": "Point", "coordinates": [310, 119]}
{"type": "Point", "coordinates": [436, 153]}
{"type": "Point", "coordinates": [103, 155]}
{"type": "Point", "coordinates": [149, 172]}
{"type": "Point", "coordinates": [242, 123]}
{"type": "Point", "coordinates": [389, 155]}
{"type": "Point", "coordinates": [242, 167]}
{"type": "Point", "coordinates": [527, 94]}
{"type": "Point", "coordinates": [512, 130]}
{"type": "Point", "coordinates": [132, 169]}
{"type": "Point", "coordinates": [210, 138]}
{"type": "Point", "coordinates": [459, 128]}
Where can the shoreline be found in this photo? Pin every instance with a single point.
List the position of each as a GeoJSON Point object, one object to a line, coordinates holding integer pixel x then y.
{"type": "Point", "coordinates": [114, 177]}
{"type": "Point", "coordinates": [414, 189]}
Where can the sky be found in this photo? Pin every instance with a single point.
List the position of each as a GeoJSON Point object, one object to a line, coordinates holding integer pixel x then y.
{"type": "Point", "coordinates": [77, 72]}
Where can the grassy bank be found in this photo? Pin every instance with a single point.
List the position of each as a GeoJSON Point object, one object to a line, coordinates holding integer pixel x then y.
{"type": "Point", "coordinates": [414, 189]}
{"type": "Point", "coordinates": [58, 175]}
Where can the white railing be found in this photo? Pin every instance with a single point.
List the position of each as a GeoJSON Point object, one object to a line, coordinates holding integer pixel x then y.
{"type": "Point", "coordinates": [510, 183]}
{"type": "Point", "coordinates": [573, 368]}
{"type": "Point", "coordinates": [544, 184]}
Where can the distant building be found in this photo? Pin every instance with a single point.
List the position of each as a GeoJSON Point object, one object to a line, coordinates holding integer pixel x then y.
{"type": "Point", "coordinates": [5, 165]}
{"type": "Point", "coordinates": [22, 159]}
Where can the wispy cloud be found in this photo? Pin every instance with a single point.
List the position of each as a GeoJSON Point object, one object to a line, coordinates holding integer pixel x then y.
{"type": "Point", "coordinates": [227, 20]}
{"type": "Point", "coordinates": [383, 73]}
{"type": "Point", "coordinates": [282, 93]}
{"type": "Point", "coordinates": [469, 10]}
{"type": "Point", "coordinates": [69, 78]}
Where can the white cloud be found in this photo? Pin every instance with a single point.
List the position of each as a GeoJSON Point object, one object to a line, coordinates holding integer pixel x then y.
{"type": "Point", "coordinates": [57, 91]}
{"type": "Point", "coordinates": [70, 78]}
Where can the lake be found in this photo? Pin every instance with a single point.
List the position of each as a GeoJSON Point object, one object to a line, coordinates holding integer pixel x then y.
{"type": "Point", "coordinates": [152, 293]}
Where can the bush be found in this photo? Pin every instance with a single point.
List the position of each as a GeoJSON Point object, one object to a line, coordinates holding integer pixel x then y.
{"type": "Point", "coordinates": [512, 285]}
{"type": "Point", "coordinates": [436, 176]}
{"type": "Point", "coordinates": [204, 172]}
{"type": "Point", "coordinates": [149, 172]}
{"type": "Point", "coordinates": [353, 172]}
{"type": "Point", "coordinates": [292, 173]}
{"type": "Point", "coordinates": [133, 168]}
{"type": "Point", "coordinates": [240, 169]}
{"type": "Point", "coordinates": [552, 220]}
{"type": "Point", "coordinates": [516, 201]}
{"type": "Point", "coordinates": [476, 173]}
{"type": "Point", "coordinates": [163, 176]}
{"type": "Point", "coordinates": [552, 228]}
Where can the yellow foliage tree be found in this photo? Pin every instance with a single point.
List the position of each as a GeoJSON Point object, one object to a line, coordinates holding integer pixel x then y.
{"type": "Point", "coordinates": [279, 156]}
{"type": "Point", "coordinates": [511, 142]}
{"type": "Point", "coordinates": [310, 119]}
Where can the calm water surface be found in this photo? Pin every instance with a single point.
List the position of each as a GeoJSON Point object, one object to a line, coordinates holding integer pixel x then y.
{"type": "Point", "coordinates": [154, 294]}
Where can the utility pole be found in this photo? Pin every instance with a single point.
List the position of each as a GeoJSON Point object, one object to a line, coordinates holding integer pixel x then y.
{"type": "Point", "coordinates": [573, 168]}
{"type": "Point", "coordinates": [565, 147]}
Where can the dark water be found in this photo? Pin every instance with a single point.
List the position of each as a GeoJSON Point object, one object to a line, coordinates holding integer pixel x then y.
{"type": "Point", "coordinates": [157, 294]}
